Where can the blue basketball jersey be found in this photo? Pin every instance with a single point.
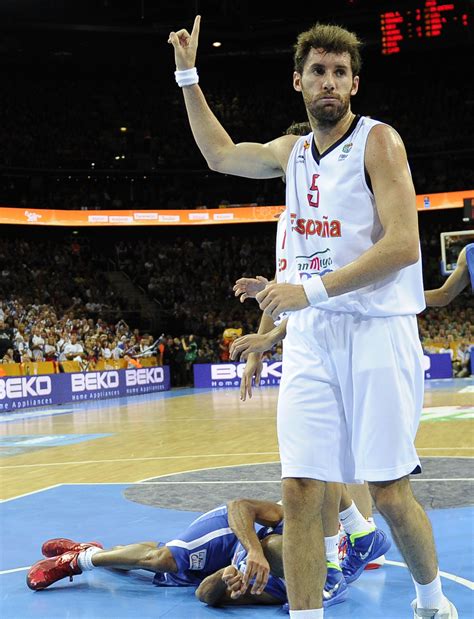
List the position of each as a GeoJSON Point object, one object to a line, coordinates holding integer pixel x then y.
{"type": "Point", "coordinates": [470, 262]}
{"type": "Point", "coordinates": [207, 545]}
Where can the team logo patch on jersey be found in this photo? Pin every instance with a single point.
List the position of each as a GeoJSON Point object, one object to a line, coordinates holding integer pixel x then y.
{"type": "Point", "coordinates": [197, 560]}
{"type": "Point", "coordinates": [346, 149]}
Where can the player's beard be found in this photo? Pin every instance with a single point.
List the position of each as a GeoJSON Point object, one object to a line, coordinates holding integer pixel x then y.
{"type": "Point", "coordinates": [327, 116]}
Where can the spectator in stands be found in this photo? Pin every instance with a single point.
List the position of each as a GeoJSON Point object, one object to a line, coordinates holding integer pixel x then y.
{"type": "Point", "coordinates": [73, 350]}
{"type": "Point", "coordinates": [50, 351]}
{"type": "Point", "coordinates": [177, 363]}
{"type": "Point", "coordinates": [191, 350]}
{"type": "Point", "coordinates": [146, 343]}
{"type": "Point", "coordinates": [462, 361]}
{"type": "Point", "coordinates": [105, 351]}
{"type": "Point", "coordinates": [8, 357]}
{"type": "Point", "coordinates": [6, 338]}
{"type": "Point", "coordinates": [116, 350]}
{"type": "Point", "coordinates": [37, 343]}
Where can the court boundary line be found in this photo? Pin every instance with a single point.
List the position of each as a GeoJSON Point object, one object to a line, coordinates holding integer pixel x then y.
{"type": "Point", "coordinates": [190, 456]}
{"type": "Point", "coordinates": [145, 459]}
{"type": "Point", "coordinates": [460, 580]}
{"type": "Point", "coordinates": [465, 582]}
{"type": "Point", "coordinates": [211, 468]}
{"type": "Point", "coordinates": [225, 481]}
{"type": "Point", "coordinates": [21, 496]}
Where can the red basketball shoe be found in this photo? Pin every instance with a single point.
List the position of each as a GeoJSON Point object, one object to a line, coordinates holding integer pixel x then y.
{"type": "Point", "coordinates": [47, 571]}
{"type": "Point", "coordinates": [60, 545]}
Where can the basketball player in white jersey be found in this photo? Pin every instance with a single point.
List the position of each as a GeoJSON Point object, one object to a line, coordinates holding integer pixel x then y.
{"type": "Point", "coordinates": [353, 289]}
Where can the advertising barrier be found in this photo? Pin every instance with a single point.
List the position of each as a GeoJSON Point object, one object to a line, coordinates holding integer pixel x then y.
{"type": "Point", "coordinates": [438, 365]}
{"type": "Point", "coordinates": [226, 375]}
{"type": "Point", "coordinates": [232, 214]}
{"type": "Point", "coordinates": [20, 392]}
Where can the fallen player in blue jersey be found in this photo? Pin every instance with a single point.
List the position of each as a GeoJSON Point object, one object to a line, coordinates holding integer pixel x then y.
{"type": "Point", "coordinates": [231, 553]}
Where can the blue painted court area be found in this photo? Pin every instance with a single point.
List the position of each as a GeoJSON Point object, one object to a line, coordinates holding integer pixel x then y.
{"type": "Point", "coordinates": [99, 512]}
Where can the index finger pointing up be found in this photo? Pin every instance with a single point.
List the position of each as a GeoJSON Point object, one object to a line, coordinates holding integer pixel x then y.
{"type": "Point", "coordinates": [196, 25]}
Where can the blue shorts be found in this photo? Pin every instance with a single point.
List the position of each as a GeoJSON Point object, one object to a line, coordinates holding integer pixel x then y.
{"type": "Point", "coordinates": [207, 545]}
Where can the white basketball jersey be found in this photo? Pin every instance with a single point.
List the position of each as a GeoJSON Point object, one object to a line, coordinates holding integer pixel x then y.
{"type": "Point", "coordinates": [332, 220]}
{"type": "Point", "coordinates": [281, 259]}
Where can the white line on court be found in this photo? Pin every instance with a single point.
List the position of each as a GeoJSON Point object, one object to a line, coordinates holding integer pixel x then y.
{"type": "Point", "coordinates": [23, 569]}
{"type": "Point", "coordinates": [191, 456]}
{"type": "Point", "coordinates": [207, 468]}
{"type": "Point", "coordinates": [459, 579]}
{"type": "Point", "coordinates": [20, 496]}
{"type": "Point", "coordinates": [184, 457]}
{"type": "Point", "coordinates": [219, 481]}
{"type": "Point", "coordinates": [210, 468]}
{"type": "Point", "coordinates": [445, 448]}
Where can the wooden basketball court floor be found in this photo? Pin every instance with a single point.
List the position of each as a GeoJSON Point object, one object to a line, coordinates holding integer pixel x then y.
{"type": "Point", "coordinates": [141, 468]}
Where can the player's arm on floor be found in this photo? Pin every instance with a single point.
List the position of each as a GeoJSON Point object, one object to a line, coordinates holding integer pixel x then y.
{"type": "Point", "coordinates": [251, 160]}
{"type": "Point", "coordinates": [454, 285]}
{"type": "Point", "coordinates": [223, 587]}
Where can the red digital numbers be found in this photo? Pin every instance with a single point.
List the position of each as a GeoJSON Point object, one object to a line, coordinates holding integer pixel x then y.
{"type": "Point", "coordinates": [423, 23]}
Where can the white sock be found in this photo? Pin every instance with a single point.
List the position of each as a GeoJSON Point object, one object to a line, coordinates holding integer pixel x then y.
{"type": "Point", "coordinates": [430, 595]}
{"type": "Point", "coordinates": [332, 549]}
{"type": "Point", "coordinates": [353, 521]}
{"type": "Point", "coordinates": [314, 613]}
{"type": "Point", "coordinates": [84, 560]}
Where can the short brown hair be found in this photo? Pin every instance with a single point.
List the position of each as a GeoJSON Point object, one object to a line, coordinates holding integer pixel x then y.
{"type": "Point", "coordinates": [332, 39]}
{"type": "Point", "coordinates": [298, 129]}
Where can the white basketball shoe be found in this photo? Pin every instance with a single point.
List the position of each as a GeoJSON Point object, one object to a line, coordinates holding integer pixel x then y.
{"type": "Point", "coordinates": [449, 612]}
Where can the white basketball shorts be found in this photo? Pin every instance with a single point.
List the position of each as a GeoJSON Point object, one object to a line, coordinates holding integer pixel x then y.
{"type": "Point", "coordinates": [351, 396]}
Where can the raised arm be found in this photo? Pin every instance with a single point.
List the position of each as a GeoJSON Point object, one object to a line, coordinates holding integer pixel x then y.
{"type": "Point", "coordinates": [251, 160]}
{"type": "Point", "coordinates": [456, 282]}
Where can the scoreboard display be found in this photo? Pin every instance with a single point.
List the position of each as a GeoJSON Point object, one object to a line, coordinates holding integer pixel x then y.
{"type": "Point", "coordinates": [423, 25]}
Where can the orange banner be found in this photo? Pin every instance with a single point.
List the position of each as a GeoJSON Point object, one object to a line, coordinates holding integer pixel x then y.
{"type": "Point", "coordinates": [234, 214]}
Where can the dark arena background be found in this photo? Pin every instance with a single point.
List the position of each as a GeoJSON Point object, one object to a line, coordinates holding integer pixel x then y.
{"type": "Point", "coordinates": [120, 413]}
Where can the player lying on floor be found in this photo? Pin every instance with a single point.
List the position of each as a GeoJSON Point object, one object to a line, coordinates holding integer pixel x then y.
{"type": "Point", "coordinates": [207, 548]}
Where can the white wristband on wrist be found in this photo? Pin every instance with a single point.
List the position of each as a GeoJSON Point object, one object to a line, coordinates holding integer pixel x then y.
{"type": "Point", "coordinates": [315, 290]}
{"type": "Point", "coordinates": [188, 77]}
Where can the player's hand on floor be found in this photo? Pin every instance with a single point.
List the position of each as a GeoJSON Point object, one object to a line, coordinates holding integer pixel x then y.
{"type": "Point", "coordinates": [249, 287]}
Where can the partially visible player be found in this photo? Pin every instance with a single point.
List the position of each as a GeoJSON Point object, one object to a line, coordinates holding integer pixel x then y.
{"type": "Point", "coordinates": [206, 546]}
{"type": "Point", "coordinates": [226, 586]}
{"type": "Point", "coordinates": [456, 282]}
{"type": "Point", "coordinates": [231, 585]}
